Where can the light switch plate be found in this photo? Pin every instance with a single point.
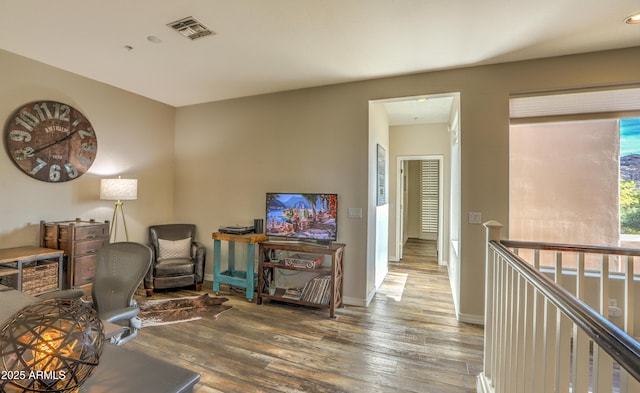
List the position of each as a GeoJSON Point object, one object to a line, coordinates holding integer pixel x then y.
{"type": "Point", "coordinates": [355, 212]}
{"type": "Point", "coordinates": [475, 218]}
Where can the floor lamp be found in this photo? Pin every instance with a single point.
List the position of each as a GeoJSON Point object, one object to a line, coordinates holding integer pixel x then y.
{"type": "Point", "coordinates": [118, 190]}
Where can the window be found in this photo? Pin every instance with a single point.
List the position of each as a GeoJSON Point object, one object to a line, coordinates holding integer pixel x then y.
{"type": "Point", "coordinates": [630, 180]}
{"type": "Point", "coordinates": [575, 167]}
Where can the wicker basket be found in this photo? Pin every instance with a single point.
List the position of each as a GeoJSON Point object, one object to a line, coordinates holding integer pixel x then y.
{"type": "Point", "coordinates": [37, 277]}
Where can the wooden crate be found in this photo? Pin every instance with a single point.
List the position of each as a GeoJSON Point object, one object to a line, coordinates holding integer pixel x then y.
{"type": "Point", "coordinates": [37, 277]}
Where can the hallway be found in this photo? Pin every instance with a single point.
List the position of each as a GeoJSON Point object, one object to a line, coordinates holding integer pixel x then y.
{"type": "Point", "coordinates": [417, 292]}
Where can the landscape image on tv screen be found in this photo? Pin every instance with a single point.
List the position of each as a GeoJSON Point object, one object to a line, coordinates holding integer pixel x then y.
{"type": "Point", "coordinates": [302, 216]}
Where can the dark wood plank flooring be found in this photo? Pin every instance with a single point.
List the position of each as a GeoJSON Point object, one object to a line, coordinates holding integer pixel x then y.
{"type": "Point", "coordinates": [407, 340]}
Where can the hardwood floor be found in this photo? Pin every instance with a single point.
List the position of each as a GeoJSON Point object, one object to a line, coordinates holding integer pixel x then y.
{"type": "Point", "coordinates": [407, 340]}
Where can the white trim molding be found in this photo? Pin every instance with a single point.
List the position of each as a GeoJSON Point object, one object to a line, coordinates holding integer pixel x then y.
{"type": "Point", "coordinates": [470, 318]}
{"type": "Point", "coordinates": [483, 385]}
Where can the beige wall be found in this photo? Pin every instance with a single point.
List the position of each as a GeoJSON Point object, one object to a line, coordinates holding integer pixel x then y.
{"type": "Point", "coordinates": [564, 182]}
{"type": "Point", "coordinates": [135, 139]}
{"type": "Point", "coordinates": [265, 132]}
{"type": "Point", "coordinates": [229, 153]}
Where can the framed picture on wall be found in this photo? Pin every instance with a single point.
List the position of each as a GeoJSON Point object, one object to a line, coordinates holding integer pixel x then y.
{"type": "Point", "coordinates": [381, 189]}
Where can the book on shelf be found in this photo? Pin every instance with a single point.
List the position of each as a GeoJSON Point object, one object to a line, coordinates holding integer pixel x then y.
{"type": "Point", "coordinates": [317, 290]}
{"type": "Point", "coordinates": [293, 293]}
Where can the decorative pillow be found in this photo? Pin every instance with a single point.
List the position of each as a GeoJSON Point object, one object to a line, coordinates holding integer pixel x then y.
{"type": "Point", "coordinates": [172, 249]}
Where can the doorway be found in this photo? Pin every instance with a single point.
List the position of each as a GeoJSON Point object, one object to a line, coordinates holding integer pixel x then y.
{"type": "Point", "coordinates": [418, 127]}
{"type": "Point", "coordinates": [422, 128]}
{"type": "Point", "coordinates": [420, 196]}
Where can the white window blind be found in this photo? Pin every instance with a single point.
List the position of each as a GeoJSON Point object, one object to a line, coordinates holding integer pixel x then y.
{"type": "Point", "coordinates": [573, 103]}
{"type": "Point", "coordinates": [430, 173]}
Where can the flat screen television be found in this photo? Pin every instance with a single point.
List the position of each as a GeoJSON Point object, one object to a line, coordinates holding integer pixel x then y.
{"type": "Point", "coordinates": [306, 217]}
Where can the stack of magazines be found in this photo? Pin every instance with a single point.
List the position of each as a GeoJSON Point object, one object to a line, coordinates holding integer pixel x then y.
{"type": "Point", "coordinates": [293, 293]}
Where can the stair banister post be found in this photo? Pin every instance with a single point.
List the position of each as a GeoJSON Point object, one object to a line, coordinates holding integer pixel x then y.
{"type": "Point", "coordinates": [486, 378]}
{"type": "Point", "coordinates": [494, 230]}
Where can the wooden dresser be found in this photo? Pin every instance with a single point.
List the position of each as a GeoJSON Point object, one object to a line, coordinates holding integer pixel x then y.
{"type": "Point", "coordinates": [80, 241]}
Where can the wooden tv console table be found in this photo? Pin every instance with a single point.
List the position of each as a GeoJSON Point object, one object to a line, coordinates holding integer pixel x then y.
{"type": "Point", "coordinates": [266, 272]}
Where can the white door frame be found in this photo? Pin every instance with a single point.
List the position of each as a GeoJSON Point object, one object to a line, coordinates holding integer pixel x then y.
{"type": "Point", "coordinates": [400, 206]}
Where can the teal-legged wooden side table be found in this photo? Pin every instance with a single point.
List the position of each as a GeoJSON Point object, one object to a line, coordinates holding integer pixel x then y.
{"type": "Point", "coordinates": [238, 278]}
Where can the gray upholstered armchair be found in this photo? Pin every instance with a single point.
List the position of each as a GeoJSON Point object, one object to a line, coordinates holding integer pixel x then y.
{"type": "Point", "coordinates": [178, 260]}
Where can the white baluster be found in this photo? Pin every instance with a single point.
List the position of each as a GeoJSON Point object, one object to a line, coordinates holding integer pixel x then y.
{"type": "Point", "coordinates": [602, 363]}
{"type": "Point", "coordinates": [627, 382]}
{"type": "Point", "coordinates": [580, 350]}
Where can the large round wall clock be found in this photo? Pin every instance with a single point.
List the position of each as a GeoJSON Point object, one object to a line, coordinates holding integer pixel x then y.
{"type": "Point", "coordinates": [51, 141]}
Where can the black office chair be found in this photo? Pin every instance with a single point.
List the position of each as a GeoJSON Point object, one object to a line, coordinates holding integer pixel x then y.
{"type": "Point", "coordinates": [120, 269]}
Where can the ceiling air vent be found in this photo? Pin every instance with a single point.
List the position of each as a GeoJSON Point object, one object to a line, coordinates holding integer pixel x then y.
{"type": "Point", "coordinates": [191, 28]}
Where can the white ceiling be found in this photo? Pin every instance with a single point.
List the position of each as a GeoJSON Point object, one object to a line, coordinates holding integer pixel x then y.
{"type": "Point", "coordinates": [264, 46]}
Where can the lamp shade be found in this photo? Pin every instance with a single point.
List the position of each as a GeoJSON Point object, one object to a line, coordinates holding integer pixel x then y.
{"type": "Point", "coordinates": [119, 189]}
{"type": "Point", "coordinates": [50, 346]}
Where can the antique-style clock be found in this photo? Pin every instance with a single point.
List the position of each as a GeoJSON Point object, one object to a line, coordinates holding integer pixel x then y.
{"type": "Point", "coordinates": [51, 141]}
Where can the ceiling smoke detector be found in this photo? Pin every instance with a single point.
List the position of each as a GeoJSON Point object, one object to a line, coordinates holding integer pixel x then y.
{"type": "Point", "coordinates": [191, 28]}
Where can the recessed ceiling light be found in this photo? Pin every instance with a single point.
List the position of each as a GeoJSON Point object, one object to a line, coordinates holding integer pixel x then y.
{"type": "Point", "coordinates": [154, 39]}
{"type": "Point", "coordinates": [633, 19]}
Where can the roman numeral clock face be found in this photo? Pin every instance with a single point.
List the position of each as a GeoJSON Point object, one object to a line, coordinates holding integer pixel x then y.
{"type": "Point", "coordinates": [51, 141]}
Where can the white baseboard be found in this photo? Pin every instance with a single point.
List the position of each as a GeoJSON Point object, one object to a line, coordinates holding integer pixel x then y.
{"type": "Point", "coordinates": [470, 318]}
{"type": "Point", "coordinates": [454, 293]}
{"type": "Point", "coordinates": [353, 301]}
{"type": "Point", "coordinates": [483, 385]}
{"type": "Point", "coordinates": [208, 277]}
